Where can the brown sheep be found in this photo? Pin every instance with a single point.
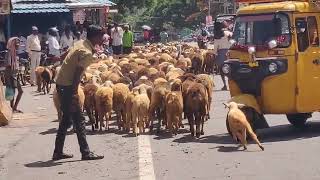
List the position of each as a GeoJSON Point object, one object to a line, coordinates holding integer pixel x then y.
{"type": "Point", "coordinates": [38, 72]}
{"type": "Point", "coordinates": [56, 101]}
{"type": "Point", "coordinates": [208, 82]}
{"type": "Point", "coordinates": [208, 63]}
{"type": "Point", "coordinates": [140, 107]}
{"type": "Point", "coordinates": [174, 109]}
{"type": "Point", "coordinates": [239, 125]}
{"type": "Point", "coordinates": [128, 106]}
{"type": "Point", "coordinates": [158, 103]}
{"type": "Point", "coordinates": [90, 104]}
{"type": "Point", "coordinates": [104, 103]}
{"type": "Point", "coordinates": [196, 107]}
{"type": "Point", "coordinates": [197, 63]}
{"type": "Point", "coordinates": [46, 80]}
{"type": "Point", "coordinates": [120, 94]}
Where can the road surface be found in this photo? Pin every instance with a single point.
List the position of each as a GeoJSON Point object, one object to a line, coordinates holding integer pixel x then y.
{"type": "Point", "coordinates": [26, 147]}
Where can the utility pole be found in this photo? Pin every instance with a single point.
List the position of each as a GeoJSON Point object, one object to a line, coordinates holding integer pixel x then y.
{"type": "Point", "coordinates": [209, 9]}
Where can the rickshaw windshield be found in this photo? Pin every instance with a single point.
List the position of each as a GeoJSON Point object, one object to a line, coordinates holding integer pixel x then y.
{"type": "Point", "coordinates": [260, 29]}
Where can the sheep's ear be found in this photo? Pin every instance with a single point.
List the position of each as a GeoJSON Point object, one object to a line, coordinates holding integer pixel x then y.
{"type": "Point", "coordinates": [226, 105]}
{"type": "Point", "coordinates": [241, 105]}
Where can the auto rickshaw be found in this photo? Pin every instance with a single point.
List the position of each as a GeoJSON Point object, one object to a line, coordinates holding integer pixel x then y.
{"type": "Point", "coordinates": [273, 64]}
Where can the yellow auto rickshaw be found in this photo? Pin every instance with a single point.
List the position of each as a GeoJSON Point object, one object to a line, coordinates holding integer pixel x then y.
{"type": "Point", "coordinates": [273, 64]}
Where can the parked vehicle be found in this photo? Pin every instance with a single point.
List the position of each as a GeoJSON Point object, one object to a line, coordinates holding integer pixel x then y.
{"type": "Point", "coordinates": [274, 60]}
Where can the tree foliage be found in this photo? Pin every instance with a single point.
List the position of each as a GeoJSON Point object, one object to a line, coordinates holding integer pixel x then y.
{"type": "Point", "coordinates": [160, 13]}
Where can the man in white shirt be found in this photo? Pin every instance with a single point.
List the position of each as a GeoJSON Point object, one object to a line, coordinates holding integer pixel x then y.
{"type": "Point", "coordinates": [116, 36]}
{"type": "Point", "coordinates": [54, 46]}
{"type": "Point", "coordinates": [66, 40]}
{"type": "Point", "coordinates": [34, 51]}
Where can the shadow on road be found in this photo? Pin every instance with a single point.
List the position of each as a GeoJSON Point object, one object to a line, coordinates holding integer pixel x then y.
{"type": "Point", "coordinates": [227, 149]}
{"type": "Point", "coordinates": [50, 163]}
{"type": "Point", "coordinates": [272, 134]}
{"type": "Point", "coordinates": [54, 131]}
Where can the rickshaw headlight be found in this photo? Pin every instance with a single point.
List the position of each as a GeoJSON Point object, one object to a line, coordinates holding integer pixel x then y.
{"type": "Point", "coordinates": [273, 67]}
{"type": "Point", "coordinates": [226, 68]}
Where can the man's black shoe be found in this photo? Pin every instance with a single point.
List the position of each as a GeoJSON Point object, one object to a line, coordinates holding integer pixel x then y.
{"type": "Point", "coordinates": [57, 156]}
{"type": "Point", "coordinates": [92, 156]}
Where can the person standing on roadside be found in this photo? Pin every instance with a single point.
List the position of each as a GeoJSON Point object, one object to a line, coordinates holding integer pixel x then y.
{"type": "Point", "coordinates": [11, 78]}
{"type": "Point", "coordinates": [54, 46]}
{"type": "Point", "coordinates": [116, 36]}
{"type": "Point", "coordinates": [67, 83]}
{"type": "Point", "coordinates": [34, 51]}
{"type": "Point", "coordinates": [221, 47]}
{"type": "Point", "coordinates": [66, 40]}
{"type": "Point", "coordinates": [127, 40]}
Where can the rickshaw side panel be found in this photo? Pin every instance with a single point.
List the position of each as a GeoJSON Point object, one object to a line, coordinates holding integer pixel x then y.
{"type": "Point", "coordinates": [278, 92]}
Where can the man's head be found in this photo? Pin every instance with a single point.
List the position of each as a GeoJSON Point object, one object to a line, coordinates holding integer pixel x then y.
{"type": "Point", "coordinates": [126, 28]}
{"type": "Point", "coordinates": [67, 29]}
{"type": "Point", "coordinates": [35, 30]}
{"type": "Point", "coordinates": [53, 31]}
{"type": "Point", "coordinates": [95, 35]}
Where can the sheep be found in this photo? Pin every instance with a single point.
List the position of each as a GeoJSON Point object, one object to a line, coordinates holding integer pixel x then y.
{"type": "Point", "coordinates": [158, 103]}
{"type": "Point", "coordinates": [208, 63]}
{"type": "Point", "coordinates": [197, 63]}
{"type": "Point", "coordinates": [90, 104]}
{"type": "Point", "coordinates": [239, 125]}
{"type": "Point", "coordinates": [56, 101]}
{"type": "Point", "coordinates": [196, 107]}
{"type": "Point", "coordinates": [208, 82]}
{"type": "Point", "coordinates": [104, 103]}
{"type": "Point", "coordinates": [128, 110]}
{"type": "Point", "coordinates": [140, 107]}
{"type": "Point", "coordinates": [38, 72]}
{"type": "Point", "coordinates": [174, 108]}
{"type": "Point", "coordinates": [120, 94]}
{"type": "Point", "coordinates": [143, 80]}
{"type": "Point", "coordinates": [46, 80]}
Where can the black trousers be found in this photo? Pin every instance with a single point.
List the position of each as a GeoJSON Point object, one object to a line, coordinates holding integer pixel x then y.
{"type": "Point", "coordinates": [71, 110]}
{"type": "Point", "coordinates": [127, 50]}
{"type": "Point", "coordinates": [117, 50]}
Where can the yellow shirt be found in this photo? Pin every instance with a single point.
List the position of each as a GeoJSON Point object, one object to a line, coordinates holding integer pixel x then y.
{"type": "Point", "coordinates": [81, 54]}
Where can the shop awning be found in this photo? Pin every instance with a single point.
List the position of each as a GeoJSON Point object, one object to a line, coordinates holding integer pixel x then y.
{"type": "Point", "coordinates": [37, 6]}
{"type": "Point", "coordinates": [93, 4]}
{"type": "Point", "coordinates": [50, 6]}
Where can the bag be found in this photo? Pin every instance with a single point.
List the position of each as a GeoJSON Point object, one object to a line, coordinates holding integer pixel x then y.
{"type": "Point", "coordinates": [9, 94]}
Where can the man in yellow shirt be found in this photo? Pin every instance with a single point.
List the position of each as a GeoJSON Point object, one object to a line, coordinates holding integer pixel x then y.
{"type": "Point", "coordinates": [78, 59]}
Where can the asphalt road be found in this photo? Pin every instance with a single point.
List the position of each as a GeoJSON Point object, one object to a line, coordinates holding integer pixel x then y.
{"type": "Point", "coordinates": [26, 147]}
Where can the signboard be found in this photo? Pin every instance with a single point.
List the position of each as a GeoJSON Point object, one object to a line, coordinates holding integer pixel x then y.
{"type": "Point", "coordinates": [208, 20]}
{"type": "Point", "coordinates": [4, 7]}
{"type": "Point", "coordinates": [79, 15]}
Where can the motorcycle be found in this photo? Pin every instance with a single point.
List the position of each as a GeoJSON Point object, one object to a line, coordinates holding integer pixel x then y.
{"type": "Point", "coordinates": [202, 42]}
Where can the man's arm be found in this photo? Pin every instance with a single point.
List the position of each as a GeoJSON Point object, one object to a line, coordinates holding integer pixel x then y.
{"type": "Point", "coordinates": [76, 79]}
{"type": "Point", "coordinates": [85, 59]}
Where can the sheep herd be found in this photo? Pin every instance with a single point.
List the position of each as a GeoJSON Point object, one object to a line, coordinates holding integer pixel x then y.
{"type": "Point", "coordinates": [156, 85]}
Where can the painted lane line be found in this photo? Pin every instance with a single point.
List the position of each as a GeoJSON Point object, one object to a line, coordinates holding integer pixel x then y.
{"type": "Point", "coordinates": [146, 169]}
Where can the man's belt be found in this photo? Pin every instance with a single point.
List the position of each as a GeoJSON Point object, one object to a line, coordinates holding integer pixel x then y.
{"type": "Point", "coordinates": [35, 51]}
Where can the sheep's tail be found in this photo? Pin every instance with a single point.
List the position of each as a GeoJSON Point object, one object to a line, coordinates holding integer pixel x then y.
{"type": "Point", "coordinates": [254, 136]}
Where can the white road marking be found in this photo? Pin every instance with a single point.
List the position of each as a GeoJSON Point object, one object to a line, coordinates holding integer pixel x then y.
{"type": "Point", "coordinates": [146, 169]}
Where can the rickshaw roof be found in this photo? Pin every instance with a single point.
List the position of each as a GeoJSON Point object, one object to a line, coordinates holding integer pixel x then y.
{"type": "Point", "coordinates": [282, 6]}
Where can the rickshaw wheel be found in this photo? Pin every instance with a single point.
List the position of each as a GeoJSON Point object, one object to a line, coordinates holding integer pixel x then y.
{"type": "Point", "coordinates": [298, 120]}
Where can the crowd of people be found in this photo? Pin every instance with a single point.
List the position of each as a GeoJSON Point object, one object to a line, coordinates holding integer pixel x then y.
{"type": "Point", "coordinates": [55, 45]}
